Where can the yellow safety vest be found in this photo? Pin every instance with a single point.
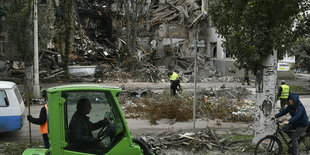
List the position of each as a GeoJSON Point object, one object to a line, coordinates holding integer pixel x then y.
{"type": "Point", "coordinates": [285, 91]}
{"type": "Point", "coordinates": [174, 76]}
{"type": "Point", "coordinates": [43, 127]}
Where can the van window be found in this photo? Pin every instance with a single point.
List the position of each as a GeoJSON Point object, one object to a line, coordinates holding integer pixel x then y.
{"type": "Point", "coordinates": [3, 99]}
{"type": "Point", "coordinates": [19, 97]}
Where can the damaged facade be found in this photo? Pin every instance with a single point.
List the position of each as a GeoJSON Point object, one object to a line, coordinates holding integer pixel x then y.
{"type": "Point", "coordinates": [151, 40]}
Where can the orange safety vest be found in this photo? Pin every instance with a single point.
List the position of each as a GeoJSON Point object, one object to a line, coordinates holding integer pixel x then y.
{"type": "Point", "coordinates": [43, 127]}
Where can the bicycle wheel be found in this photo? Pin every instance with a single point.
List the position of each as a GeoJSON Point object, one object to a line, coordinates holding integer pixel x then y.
{"type": "Point", "coordinates": [268, 145]}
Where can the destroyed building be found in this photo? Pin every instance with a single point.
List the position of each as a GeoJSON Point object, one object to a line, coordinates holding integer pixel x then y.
{"type": "Point", "coordinates": [147, 38]}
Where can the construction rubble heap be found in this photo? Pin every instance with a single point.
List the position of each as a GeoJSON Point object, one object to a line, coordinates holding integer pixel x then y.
{"type": "Point", "coordinates": [100, 39]}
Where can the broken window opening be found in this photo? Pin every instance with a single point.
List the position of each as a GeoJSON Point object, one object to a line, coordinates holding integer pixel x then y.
{"type": "Point", "coordinates": [228, 55]}
{"type": "Point", "coordinates": [213, 50]}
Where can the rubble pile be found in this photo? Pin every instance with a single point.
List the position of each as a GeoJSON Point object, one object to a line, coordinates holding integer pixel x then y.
{"type": "Point", "coordinates": [154, 107]}
{"type": "Point", "coordinates": [226, 109]}
{"type": "Point", "coordinates": [178, 12]}
{"type": "Point", "coordinates": [195, 142]}
{"type": "Point", "coordinates": [215, 105]}
{"type": "Point", "coordinates": [233, 93]}
{"type": "Point", "coordinates": [100, 33]}
{"type": "Point", "coordinates": [11, 71]}
{"type": "Point", "coordinates": [99, 40]}
{"type": "Point", "coordinates": [50, 65]}
{"type": "Point", "coordinates": [229, 104]}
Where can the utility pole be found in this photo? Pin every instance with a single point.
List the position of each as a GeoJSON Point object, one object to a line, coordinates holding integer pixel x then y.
{"type": "Point", "coordinates": [195, 81]}
{"type": "Point", "coordinates": [36, 89]}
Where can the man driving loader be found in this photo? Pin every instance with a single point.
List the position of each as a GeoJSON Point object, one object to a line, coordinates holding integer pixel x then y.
{"type": "Point", "coordinates": [80, 129]}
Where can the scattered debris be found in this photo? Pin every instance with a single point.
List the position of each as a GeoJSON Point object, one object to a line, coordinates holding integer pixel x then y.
{"type": "Point", "coordinates": [200, 141]}
{"type": "Point", "coordinates": [232, 104]}
{"type": "Point", "coordinates": [100, 35]}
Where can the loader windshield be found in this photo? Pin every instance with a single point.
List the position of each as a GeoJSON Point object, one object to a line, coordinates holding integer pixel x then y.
{"type": "Point", "coordinates": [95, 129]}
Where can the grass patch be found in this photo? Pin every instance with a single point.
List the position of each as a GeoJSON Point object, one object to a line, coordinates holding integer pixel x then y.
{"type": "Point", "coordinates": [240, 143]}
{"type": "Point", "coordinates": [299, 89]}
{"type": "Point", "coordinates": [18, 148]}
{"type": "Point", "coordinates": [236, 137]}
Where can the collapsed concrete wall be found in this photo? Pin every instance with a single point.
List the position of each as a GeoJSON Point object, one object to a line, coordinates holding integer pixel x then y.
{"type": "Point", "coordinates": [164, 42]}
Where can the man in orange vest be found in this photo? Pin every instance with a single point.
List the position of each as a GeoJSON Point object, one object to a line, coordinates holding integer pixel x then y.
{"type": "Point", "coordinates": [42, 121]}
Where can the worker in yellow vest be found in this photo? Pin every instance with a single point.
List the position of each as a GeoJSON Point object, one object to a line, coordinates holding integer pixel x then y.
{"type": "Point", "coordinates": [174, 82]}
{"type": "Point", "coordinates": [283, 93]}
{"type": "Point", "coordinates": [42, 121]}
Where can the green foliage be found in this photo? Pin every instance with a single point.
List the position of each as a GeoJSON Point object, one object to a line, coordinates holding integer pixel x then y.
{"type": "Point", "coordinates": [20, 26]}
{"type": "Point", "coordinates": [303, 21]}
{"type": "Point", "coordinates": [301, 50]}
{"type": "Point", "coordinates": [301, 47]}
{"type": "Point", "coordinates": [254, 28]}
{"type": "Point", "coordinates": [64, 30]}
{"type": "Point", "coordinates": [46, 18]}
{"type": "Point", "coordinates": [4, 8]}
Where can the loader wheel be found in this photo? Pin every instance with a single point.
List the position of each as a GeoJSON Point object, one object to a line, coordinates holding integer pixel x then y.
{"type": "Point", "coordinates": [144, 147]}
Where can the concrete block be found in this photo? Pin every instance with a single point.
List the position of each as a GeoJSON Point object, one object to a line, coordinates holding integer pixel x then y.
{"type": "Point", "coordinates": [286, 75]}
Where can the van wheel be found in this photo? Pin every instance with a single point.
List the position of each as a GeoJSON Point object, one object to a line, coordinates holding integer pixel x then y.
{"type": "Point", "coordinates": [144, 147]}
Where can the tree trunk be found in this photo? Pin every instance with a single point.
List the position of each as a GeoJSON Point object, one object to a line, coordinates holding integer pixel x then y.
{"type": "Point", "coordinates": [28, 77]}
{"type": "Point", "coordinates": [265, 107]}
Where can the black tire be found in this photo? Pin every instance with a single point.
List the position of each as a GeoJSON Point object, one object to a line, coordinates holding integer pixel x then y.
{"type": "Point", "coordinates": [144, 147]}
{"type": "Point", "coordinates": [268, 145]}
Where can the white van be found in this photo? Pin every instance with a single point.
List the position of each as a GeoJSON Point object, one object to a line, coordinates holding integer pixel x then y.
{"type": "Point", "coordinates": [12, 108]}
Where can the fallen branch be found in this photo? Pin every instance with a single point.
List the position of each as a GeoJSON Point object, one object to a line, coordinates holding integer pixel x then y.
{"type": "Point", "coordinates": [141, 48]}
{"type": "Point", "coordinates": [217, 141]}
{"type": "Point", "coordinates": [57, 74]}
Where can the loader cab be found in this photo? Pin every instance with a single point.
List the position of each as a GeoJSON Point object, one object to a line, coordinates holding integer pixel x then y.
{"type": "Point", "coordinates": [70, 137]}
{"type": "Point", "coordinates": [102, 106]}
{"type": "Point", "coordinates": [12, 108]}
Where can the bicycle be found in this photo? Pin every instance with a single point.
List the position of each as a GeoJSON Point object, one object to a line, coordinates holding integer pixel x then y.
{"type": "Point", "coordinates": [271, 144]}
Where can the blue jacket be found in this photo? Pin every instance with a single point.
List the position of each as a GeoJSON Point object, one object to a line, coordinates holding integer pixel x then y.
{"type": "Point", "coordinates": [297, 112]}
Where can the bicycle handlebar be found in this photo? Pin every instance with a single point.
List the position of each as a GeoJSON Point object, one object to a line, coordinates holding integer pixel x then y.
{"type": "Point", "coordinates": [276, 121]}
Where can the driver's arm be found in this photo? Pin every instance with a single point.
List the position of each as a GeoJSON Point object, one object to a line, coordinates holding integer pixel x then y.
{"type": "Point", "coordinates": [81, 133]}
{"type": "Point", "coordinates": [98, 125]}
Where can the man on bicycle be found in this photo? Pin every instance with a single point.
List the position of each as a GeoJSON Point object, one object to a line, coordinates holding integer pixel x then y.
{"type": "Point", "coordinates": [298, 121]}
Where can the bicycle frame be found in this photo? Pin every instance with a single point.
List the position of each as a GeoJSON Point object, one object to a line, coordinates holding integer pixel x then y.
{"type": "Point", "coordinates": [269, 141]}
{"type": "Point", "coordinates": [281, 132]}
